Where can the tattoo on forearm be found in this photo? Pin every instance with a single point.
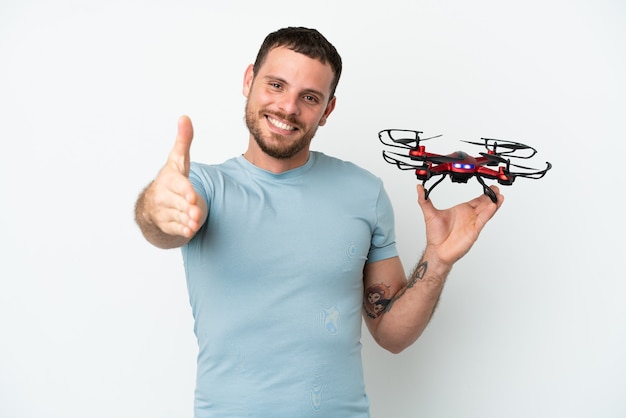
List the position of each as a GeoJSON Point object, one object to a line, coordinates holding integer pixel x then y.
{"type": "Point", "coordinates": [378, 299]}
{"type": "Point", "coordinates": [418, 274]}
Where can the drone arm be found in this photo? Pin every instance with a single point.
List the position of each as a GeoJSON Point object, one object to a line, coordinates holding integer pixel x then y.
{"type": "Point", "coordinates": [508, 177]}
{"type": "Point", "coordinates": [487, 173]}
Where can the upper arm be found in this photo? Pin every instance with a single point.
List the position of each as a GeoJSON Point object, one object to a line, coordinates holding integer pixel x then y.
{"type": "Point", "coordinates": [381, 281]}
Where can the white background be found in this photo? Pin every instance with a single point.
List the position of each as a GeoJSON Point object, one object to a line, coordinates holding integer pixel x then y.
{"type": "Point", "coordinates": [94, 322]}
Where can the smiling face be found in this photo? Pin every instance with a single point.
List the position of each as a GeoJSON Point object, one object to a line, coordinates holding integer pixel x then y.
{"type": "Point", "coordinates": [287, 100]}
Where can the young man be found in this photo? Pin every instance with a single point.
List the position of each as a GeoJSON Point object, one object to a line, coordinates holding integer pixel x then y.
{"type": "Point", "coordinates": [282, 259]}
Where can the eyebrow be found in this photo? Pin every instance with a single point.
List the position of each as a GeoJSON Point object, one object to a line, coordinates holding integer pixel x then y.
{"type": "Point", "coordinates": [283, 81]}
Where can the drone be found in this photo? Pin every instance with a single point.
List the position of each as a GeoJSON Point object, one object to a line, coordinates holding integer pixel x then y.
{"type": "Point", "coordinates": [495, 164]}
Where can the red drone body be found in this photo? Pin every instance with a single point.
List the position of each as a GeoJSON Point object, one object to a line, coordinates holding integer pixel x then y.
{"type": "Point", "coordinates": [459, 165]}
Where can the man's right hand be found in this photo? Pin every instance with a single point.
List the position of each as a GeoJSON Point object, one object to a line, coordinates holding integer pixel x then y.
{"type": "Point", "coordinates": [169, 211]}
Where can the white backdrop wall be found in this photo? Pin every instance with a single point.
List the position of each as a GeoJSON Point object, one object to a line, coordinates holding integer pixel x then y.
{"type": "Point", "coordinates": [94, 322]}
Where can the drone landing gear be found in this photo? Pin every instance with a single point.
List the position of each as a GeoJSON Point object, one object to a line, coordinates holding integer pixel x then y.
{"type": "Point", "coordinates": [487, 190]}
{"type": "Point", "coordinates": [427, 191]}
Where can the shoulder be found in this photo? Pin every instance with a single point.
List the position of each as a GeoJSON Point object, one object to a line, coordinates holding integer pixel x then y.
{"type": "Point", "coordinates": [208, 178]}
{"type": "Point", "coordinates": [212, 172]}
{"type": "Point", "coordinates": [347, 169]}
{"type": "Point", "coordinates": [199, 168]}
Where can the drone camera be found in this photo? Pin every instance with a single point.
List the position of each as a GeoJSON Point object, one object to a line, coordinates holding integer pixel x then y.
{"type": "Point", "coordinates": [460, 177]}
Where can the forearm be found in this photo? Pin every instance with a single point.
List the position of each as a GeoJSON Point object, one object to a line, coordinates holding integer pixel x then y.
{"type": "Point", "coordinates": [409, 311]}
{"type": "Point", "coordinates": [450, 234]}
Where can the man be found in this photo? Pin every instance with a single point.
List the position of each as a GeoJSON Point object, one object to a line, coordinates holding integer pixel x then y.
{"type": "Point", "coordinates": [282, 259]}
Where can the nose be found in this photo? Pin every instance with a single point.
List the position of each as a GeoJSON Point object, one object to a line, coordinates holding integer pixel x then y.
{"type": "Point", "coordinates": [288, 104]}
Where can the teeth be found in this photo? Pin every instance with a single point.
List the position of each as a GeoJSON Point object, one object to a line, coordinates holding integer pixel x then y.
{"type": "Point", "coordinates": [281, 125]}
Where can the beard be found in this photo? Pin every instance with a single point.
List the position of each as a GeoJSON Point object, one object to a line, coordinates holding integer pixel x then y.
{"type": "Point", "coordinates": [278, 146]}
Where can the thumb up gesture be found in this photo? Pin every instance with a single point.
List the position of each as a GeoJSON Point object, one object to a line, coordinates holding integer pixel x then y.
{"type": "Point", "coordinates": [169, 211]}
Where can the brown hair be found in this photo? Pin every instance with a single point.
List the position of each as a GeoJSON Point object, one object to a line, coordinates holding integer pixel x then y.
{"type": "Point", "coordinates": [303, 41]}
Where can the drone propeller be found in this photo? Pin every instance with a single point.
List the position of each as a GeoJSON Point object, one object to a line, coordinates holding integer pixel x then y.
{"type": "Point", "coordinates": [499, 159]}
{"type": "Point", "coordinates": [431, 137]}
{"type": "Point", "coordinates": [402, 138]}
{"type": "Point", "coordinates": [404, 141]}
{"type": "Point", "coordinates": [510, 146]}
{"type": "Point", "coordinates": [494, 158]}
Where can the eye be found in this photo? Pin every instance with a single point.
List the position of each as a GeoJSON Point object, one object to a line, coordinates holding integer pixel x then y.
{"type": "Point", "coordinates": [311, 99]}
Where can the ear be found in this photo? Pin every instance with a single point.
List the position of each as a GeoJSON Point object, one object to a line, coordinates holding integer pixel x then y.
{"type": "Point", "coordinates": [329, 109]}
{"type": "Point", "coordinates": [247, 80]}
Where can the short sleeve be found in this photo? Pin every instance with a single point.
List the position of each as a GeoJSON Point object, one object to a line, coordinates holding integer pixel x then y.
{"type": "Point", "coordinates": [383, 243]}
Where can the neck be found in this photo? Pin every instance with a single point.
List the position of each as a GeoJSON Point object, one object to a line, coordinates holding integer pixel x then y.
{"type": "Point", "coordinates": [272, 164]}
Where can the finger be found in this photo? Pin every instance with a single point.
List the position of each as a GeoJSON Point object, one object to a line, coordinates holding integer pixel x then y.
{"type": "Point", "coordinates": [171, 183]}
{"type": "Point", "coordinates": [421, 194]}
{"type": "Point", "coordinates": [182, 187]}
{"type": "Point", "coordinates": [499, 201]}
{"type": "Point", "coordinates": [486, 201]}
{"type": "Point", "coordinates": [426, 204]}
{"type": "Point", "coordinates": [500, 196]}
{"type": "Point", "coordinates": [180, 153]}
{"type": "Point", "coordinates": [174, 215]}
{"type": "Point", "coordinates": [174, 228]}
{"type": "Point", "coordinates": [485, 207]}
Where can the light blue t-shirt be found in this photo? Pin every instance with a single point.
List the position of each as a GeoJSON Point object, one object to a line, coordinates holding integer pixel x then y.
{"type": "Point", "coordinates": [275, 280]}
